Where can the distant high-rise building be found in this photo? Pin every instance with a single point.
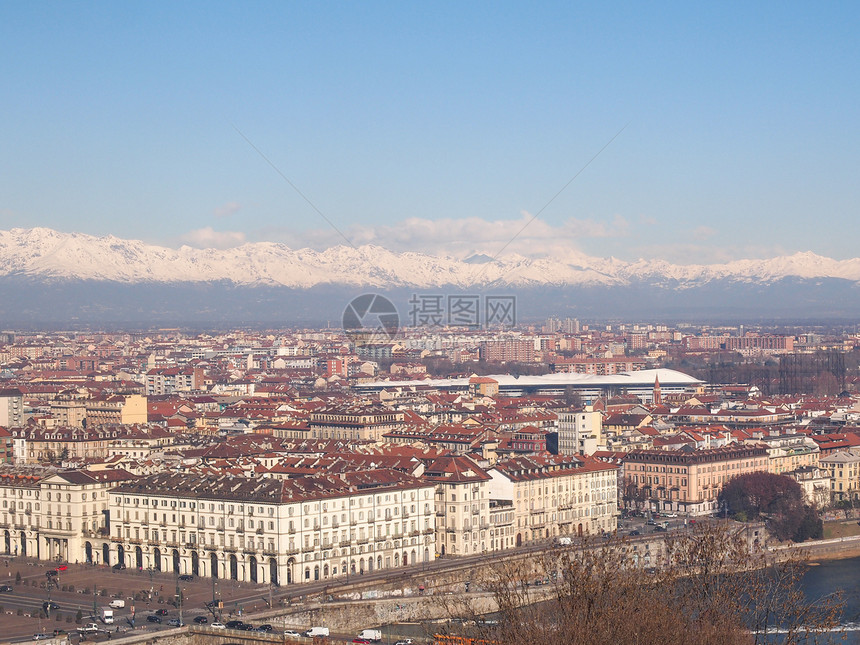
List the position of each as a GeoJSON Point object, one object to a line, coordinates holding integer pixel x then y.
{"type": "Point", "coordinates": [11, 408]}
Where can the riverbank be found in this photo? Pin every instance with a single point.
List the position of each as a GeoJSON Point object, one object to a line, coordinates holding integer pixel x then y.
{"type": "Point", "coordinates": [833, 549]}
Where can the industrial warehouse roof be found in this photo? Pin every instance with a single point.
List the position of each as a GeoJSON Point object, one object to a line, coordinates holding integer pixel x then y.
{"type": "Point", "coordinates": [638, 379]}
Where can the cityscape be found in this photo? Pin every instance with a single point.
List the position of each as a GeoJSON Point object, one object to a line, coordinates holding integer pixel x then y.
{"type": "Point", "coordinates": [281, 459]}
{"type": "Point", "coordinates": [506, 323]}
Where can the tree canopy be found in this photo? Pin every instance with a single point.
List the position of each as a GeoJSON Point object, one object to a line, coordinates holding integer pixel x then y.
{"type": "Point", "coordinates": [776, 499]}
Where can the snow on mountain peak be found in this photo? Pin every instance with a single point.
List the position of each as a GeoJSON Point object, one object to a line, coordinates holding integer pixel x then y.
{"type": "Point", "coordinates": [46, 253]}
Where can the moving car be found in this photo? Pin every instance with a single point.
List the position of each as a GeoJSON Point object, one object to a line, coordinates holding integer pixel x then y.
{"type": "Point", "coordinates": [119, 565]}
{"type": "Point", "coordinates": [152, 618]}
{"type": "Point", "coordinates": [186, 578]}
{"type": "Point", "coordinates": [201, 620]}
{"type": "Point", "coordinates": [235, 624]}
{"type": "Point", "coordinates": [161, 612]}
{"type": "Point", "coordinates": [292, 633]}
{"type": "Point", "coordinates": [265, 628]}
{"type": "Point", "coordinates": [175, 622]}
{"type": "Point", "coordinates": [41, 637]}
{"type": "Point", "coordinates": [217, 626]}
{"type": "Point", "coordinates": [5, 588]}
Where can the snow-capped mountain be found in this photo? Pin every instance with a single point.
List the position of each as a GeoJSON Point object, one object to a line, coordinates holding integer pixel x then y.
{"type": "Point", "coordinates": [41, 254]}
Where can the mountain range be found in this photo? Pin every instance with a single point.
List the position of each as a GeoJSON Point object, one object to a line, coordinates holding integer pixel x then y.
{"type": "Point", "coordinates": [47, 254]}
{"type": "Point", "coordinates": [46, 275]}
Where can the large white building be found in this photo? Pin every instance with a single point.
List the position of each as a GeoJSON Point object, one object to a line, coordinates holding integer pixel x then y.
{"type": "Point", "coordinates": [556, 495]}
{"type": "Point", "coordinates": [462, 505]}
{"type": "Point", "coordinates": [580, 432]}
{"type": "Point", "coordinates": [273, 531]}
{"type": "Point", "coordinates": [57, 516]}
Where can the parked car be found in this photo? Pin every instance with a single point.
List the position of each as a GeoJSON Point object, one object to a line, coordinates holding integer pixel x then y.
{"type": "Point", "coordinates": [119, 565]}
{"type": "Point", "coordinates": [634, 533]}
{"type": "Point", "coordinates": [152, 618]}
{"type": "Point", "coordinates": [48, 605]}
{"type": "Point", "coordinates": [5, 588]}
{"type": "Point", "coordinates": [660, 528]}
{"type": "Point", "coordinates": [405, 641]}
{"type": "Point", "coordinates": [201, 620]}
{"type": "Point", "coordinates": [292, 633]}
{"type": "Point", "coordinates": [361, 641]}
{"type": "Point", "coordinates": [186, 578]}
{"type": "Point", "coordinates": [161, 612]}
{"type": "Point", "coordinates": [50, 573]}
{"type": "Point", "coordinates": [62, 567]}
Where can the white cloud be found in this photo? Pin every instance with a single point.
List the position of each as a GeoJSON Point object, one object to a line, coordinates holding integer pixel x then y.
{"type": "Point", "coordinates": [208, 238]}
{"type": "Point", "coordinates": [460, 237]}
{"type": "Point", "coordinates": [703, 232]}
{"type": "Point", "coordinates": [225, 210]}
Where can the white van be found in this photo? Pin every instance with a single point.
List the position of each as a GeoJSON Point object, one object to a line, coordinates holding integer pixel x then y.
{"type": "Point", "coordinates": [316, 631]}
{"type": "Point", "coordinates": [116, 603]}
{"type": "Point", "coordinates": [371, 635]}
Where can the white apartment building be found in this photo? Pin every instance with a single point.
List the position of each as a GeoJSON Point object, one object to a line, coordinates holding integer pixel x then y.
{"type": "Point", "coordinates": [11, 408]}
{"type": "Point", "coordinates": [462, 505]}
{"type": "Point", "coordinates": [557, 495]}
{"type": "Point", "coordinates": [580, 432]}
{"type": "Point", "coordinates": [273, 531]}
{"type": "Point", "coordinates": [58, 516]}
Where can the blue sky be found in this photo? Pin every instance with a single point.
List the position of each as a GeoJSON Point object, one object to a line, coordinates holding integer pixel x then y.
{"type": "Point", "coordinates": [438, 127]}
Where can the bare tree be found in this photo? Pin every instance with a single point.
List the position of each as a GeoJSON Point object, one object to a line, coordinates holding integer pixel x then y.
{"type": "Point", "coordinates": [708, 586]}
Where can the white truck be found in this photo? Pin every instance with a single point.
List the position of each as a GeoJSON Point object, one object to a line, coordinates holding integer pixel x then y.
{"type": "Point", "coordinates": [317, 631]}
{"type": "Point", "coordinates": [89, 628]}
{"type": "Point", "coordinates": [374, 635]}
{"type": "Point", "coordinates": [107, 615]}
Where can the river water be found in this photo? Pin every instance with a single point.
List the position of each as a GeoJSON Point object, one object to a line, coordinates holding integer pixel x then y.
{"type": "Point", "coordinates": [831, 576]}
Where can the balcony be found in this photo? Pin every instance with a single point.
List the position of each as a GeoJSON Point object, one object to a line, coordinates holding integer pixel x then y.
{"type": "Point", "coordinates": [414, 533]}
{"type": "Point", "coordinates": [429, 531]}
{"type": "Point", "coordinates": [260, 531]}
{"type": "Point", "coordinates": [344, 543]}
